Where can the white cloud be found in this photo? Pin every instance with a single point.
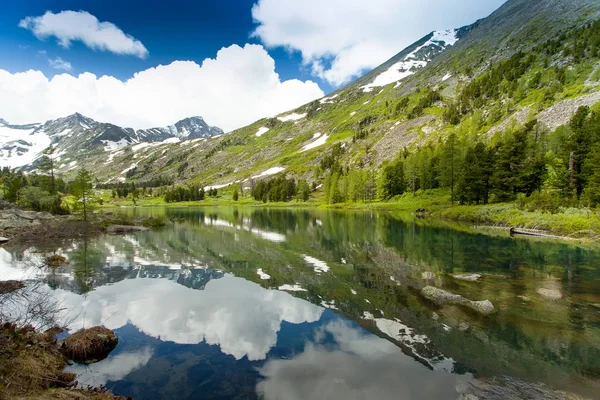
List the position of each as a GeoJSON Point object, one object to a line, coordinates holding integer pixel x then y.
{"type": "Point", "coordinates": [234, 89]}
{"type": "Point", "coordinates": [59, 63]}
{"type": "Point", "coordinates": [357, 35]}
{"type": "Point", "coordinates": [68, 26]}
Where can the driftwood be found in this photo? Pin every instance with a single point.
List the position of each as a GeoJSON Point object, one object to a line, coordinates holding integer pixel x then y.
{"type": "Point", "coordinates": [535, 232]}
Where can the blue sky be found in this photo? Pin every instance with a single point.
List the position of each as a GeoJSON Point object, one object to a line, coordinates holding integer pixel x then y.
{"type": "Point", "coordinates": [183, 30]}
{"type": "Point", "coordinates": [149, 63]}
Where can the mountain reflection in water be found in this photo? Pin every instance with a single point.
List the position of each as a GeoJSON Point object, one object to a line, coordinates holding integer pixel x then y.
{"type": "Point", "coordinates": [247, 303]}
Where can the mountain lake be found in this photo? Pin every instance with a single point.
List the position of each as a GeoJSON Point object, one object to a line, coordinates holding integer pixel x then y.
{"type": "Point", "coordinates": [244, 303]}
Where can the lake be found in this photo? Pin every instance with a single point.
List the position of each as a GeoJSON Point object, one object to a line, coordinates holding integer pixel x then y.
{"type": "Point", "coordinates": [243, 303]}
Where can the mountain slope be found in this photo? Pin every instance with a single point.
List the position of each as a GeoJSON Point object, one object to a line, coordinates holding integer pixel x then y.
{"type": "Point", "coordinates": [77, 135]}
{"type": "Point", "coordinates": [361, 128]}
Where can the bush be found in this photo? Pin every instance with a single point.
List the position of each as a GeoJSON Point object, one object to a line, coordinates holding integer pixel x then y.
{"type": "Point", "coordinates": [36, 199]}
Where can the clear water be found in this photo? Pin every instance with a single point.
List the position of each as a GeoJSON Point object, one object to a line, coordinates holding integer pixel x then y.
{"type": "Point", "coordinates": [234, 303]}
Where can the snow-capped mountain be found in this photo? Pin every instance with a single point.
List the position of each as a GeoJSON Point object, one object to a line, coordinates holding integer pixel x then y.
{"type": "Point", "coordinates": [413, 58]}
{"type": "Point", "coordinates": [22, 145]}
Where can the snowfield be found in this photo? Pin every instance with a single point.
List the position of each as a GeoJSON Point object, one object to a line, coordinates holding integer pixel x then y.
{"type": "Point", "coordinates": [19, 147]}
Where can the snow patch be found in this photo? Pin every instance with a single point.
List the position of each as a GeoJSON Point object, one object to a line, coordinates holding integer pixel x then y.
{"type": "Point", "coordinates": [446, 77]}
{"type": "Point", "coordinates": [329, 304]}
{"type": "Point", "coordinates": [263, 275]}
{"type": "Point", "coordinates": [132, 166]}
{"type": "Point", "coordinates": [291, 117]}
{"type": "Point", "coordinates": [318, 265]}
{"type": "Point", "coordinates": [292, 288]}
{"type": "Point", "coordinates": [270, 171]}
{"type": "Point", "coordinates": [109, 145]}
{"type": "Point", "coordinates": [261, 131]}
{"type": "Point", "coordinates": [328, 100]}
{"type": "Point", "coordinates": [316, 143]}
{"type": "Point", "coordinates": [172, 140]}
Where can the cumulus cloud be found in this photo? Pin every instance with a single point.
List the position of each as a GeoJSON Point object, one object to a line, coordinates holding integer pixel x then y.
{"type": "Point", "coordinates": [68, 26]}
{"type": "Point", "coordinates": [235, 88]}
{"type": "Point", "coordinates": [59, 63]}
{"type": "Point", "coordinates": [339, 39]}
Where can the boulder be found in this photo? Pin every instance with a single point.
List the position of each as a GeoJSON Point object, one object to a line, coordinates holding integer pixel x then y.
{"type": "Point", "coordinates": [125, 228]}
{"type": "Point", "coordinates": [89, 345]}
{"type": "Point", "coordinates": [442, 297]}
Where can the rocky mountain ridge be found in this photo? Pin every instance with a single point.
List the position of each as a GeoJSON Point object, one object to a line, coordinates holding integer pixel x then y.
{"type": "Point", "coordinates": [22, 145]}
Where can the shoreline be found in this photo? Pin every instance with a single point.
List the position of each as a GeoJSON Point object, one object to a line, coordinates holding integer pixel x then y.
{"type": "Point", "coordinates": [574, 225]}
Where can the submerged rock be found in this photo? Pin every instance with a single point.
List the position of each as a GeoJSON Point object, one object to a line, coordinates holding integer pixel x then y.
{"type": "Point", "coordinates": [468, 278]}
{"type": "Point", "coordinates": [90, 345]}
{"type": "Point", "coordinates": [550, 294]}
{"type": "Point", "coordinates": [125, 228]}
{"type": "Point", "coordinates": [442, 297]}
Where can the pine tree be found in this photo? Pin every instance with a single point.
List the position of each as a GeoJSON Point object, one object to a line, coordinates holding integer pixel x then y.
{"type": "Point", "coordinates": [82, 188]}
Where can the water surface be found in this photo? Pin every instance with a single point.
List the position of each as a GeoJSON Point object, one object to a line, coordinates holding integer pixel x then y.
{"type": "Point", "coordinates": [306, 304]}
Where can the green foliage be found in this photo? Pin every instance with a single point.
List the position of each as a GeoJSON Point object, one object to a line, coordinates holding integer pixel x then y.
{"type": "Point", "coordinates": [36, 199]}
{"type": "Point", "coordinates": [477, 169]}
{"type": "Point", "coordinates": [275, 189]}
{"type": "Point", "coordinates": [392, 182]}
{"type": "Point", "coordinates": [184, 193]}
{"type": "Point", "coordinates": [303, 190]}
{"type": "Point", "coordinates": [235, 195]}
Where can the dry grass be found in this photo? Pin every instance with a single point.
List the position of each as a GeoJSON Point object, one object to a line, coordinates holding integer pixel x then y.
{"type": "Point", "coordinates": [90, 345]}
{"type": "Point", "coordinates": [32, 367]}
{"type": "Point", "coordinates": [52, 230]}
{"type": "Point", "coordinates": [10, 286]}
{"type": "Point", "coordinates": [56, 261]}
{"type": "Point", "coordinates": [29, 362]}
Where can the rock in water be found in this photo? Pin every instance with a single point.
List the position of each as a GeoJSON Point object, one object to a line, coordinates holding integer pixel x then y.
{"type": "Point", "coordinates": [90, 345]}
{"type": "Point", "coordinates": [550, 294]}
{"type": "Point", "coordinates": [468, 278]}
{"type": "Point", "coordinates": [484, 307]}
{"type": "Point", "coordinates": [442, 297]}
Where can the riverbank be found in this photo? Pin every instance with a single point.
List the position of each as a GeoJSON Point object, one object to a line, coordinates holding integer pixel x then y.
{"type": "Point", "coordinates": [19, 226]}
{"type": "Point", "coordinates": [568, 223]}
{"type": "Point", "coordinates": [32, 363]}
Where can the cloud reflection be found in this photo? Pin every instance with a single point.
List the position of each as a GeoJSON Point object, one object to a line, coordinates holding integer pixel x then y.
{"type": "Point", "coordinates": [240, 316]}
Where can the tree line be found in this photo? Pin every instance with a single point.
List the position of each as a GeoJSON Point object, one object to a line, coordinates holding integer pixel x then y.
{"type": "Point", "coordinates": [562, 166]}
